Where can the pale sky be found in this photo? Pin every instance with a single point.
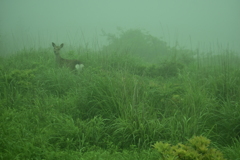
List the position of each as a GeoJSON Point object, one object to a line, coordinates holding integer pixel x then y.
{"type": "Point", "coordinates": [36, 23]}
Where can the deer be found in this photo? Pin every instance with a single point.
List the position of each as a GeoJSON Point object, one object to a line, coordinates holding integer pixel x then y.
{"type": "Point", "coordinates": [73, 65]}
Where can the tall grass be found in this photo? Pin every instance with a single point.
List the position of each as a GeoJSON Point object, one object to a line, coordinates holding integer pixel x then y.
{"type": "Point", "coordinates": [117, 107]}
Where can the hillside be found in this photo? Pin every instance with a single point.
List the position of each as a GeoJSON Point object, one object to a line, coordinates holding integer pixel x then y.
{"type": "Point", "coordinates": [122, 103]}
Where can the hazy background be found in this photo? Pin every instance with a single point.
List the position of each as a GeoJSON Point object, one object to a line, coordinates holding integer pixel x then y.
{"type": "Point", "coordinates": [193, 23]}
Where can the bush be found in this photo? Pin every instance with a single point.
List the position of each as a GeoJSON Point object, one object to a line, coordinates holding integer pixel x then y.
{"type": "Point", "coordinates": [197, 148]}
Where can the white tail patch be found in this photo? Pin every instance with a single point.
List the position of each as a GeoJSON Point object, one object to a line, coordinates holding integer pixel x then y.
{"type": "Point", "coordinates": [79, 67]}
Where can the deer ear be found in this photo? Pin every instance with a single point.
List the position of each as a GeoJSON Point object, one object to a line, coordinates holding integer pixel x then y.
{"type": "Point", "coordinates": [61, 45]}
{"type": "Point", "coordinates": [53, 44]}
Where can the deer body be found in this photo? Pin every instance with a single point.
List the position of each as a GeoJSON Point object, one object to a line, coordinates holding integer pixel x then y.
{"type": "Point", "coordinates": [61, 62]}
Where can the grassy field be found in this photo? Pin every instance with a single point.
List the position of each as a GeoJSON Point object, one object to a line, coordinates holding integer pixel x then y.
{"type": "Point", "coordinates": [119, 106]}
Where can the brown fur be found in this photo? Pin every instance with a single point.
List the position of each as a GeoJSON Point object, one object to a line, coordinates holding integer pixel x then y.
{"type": "Point", "coordinates": [61, 62]}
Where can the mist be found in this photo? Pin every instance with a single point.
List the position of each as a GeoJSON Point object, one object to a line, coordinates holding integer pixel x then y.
{"type": "Point", "coordinates": [192, 24]}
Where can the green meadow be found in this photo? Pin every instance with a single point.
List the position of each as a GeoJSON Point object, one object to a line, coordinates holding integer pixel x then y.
{"type": "Point", "coordinates": [136, 98]}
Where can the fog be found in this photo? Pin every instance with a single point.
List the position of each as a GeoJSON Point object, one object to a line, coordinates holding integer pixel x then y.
{"type": "Point", "coordinates": [191, 23]}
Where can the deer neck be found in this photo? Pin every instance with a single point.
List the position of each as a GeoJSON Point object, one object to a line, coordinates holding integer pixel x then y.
{"type": "Point", "coordinates": [58, 57]}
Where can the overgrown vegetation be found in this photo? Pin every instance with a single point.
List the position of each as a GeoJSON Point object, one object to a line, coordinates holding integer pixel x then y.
{"type": "Point", "coordinates": [121, 104]}
{"type": "Point", "coordinates": [196, 148]}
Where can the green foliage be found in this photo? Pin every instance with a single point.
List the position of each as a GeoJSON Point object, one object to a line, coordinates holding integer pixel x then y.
{"type": "Point", "coordinates": [120, 104]}
{"type": "Point", "coordinates": [136, 42]}
{"type": "Point", "coordinates": [233, 151]}
{"type": "Point", "coordinates": [15, 85]}
{"type": "Point", "coordinates": [22, 79]}
{"type": "Point", "coordinates": [228, 126]}
{"type": "Point", "coordinates": [165, 70]}
{"type": "Point", "coordinates": [197, 148]}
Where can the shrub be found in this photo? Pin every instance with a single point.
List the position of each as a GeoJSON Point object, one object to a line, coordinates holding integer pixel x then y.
{"type": "Point", "coordinates": [197, 148]}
